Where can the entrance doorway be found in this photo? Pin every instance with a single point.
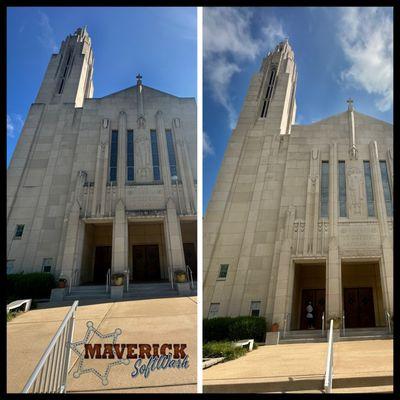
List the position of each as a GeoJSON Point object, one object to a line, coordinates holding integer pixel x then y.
{"type": "Point", "coordinates": [317, 299]}
{"type": "Point", "coordinates": [102, 262]}
{"type": "Point", "coordinates": [308, 286]}
{"type": "Point", "coordinates": [362, 295]}
{"type": "Point", "coordinates": [359, 307]}
{"type": "Point", "coordinates": [146, 263]}
{"type": "Point", "coordinates": [190, 257]}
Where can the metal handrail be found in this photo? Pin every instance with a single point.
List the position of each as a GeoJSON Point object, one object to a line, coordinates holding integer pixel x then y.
{"type": "Point", "coordinates": [54, 360]}
{"type": "Point", "coordinates": [171, 277]}
{"type": "Point", "coordinates": [344, 324]}
{"type": "Point", "coordinates": [108, 280]}
{"type": "Point", "coordinates": [323, 325]}
{"type": "Point", "coordinates": [190, 274]}
{"type": "Point", "coordinates": [389, 324]}
{"type": "Point", "coordinates": [127, 280]}
{"type": "Point", "coordinates": [285, 320]}
{"type": "Point", "coordinates": [329, 362]}
{"type": "Point", "coordinates": [72, 280]}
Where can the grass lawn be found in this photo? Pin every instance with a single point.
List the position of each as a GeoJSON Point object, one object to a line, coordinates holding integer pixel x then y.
{"type": "Point", "coordinates": [223, 349]}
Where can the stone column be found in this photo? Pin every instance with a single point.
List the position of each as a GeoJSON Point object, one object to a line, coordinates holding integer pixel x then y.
{"type": "Point", "coordinates": [333, 270]}
{"type": "Point", "coordinates": [97, 178]}
{"type": "Point", "coordinates": [104, 140]}
{"type": "Point", "coordinates": [73, 240]}
{"type": "Point", "coordinates": [180, 143]}
{"type": "Point", "coordinates": [282, 292]}
{"type": "Point", "coordinates": [386, 266]}
{"type": "Point", "coordinates": [120, 239]}
{"type": "Point", "coordinates": [162, 145]}
{"type": "Point", "coordinates": [190, 178]}
{"type": "Point", "coordinates": [173, 238]}
{"type": "Point", "coordinates": [121, 171]}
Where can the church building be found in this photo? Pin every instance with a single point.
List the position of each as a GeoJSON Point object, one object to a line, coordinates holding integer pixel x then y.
{"type": "Point", "coordinates": [99, 184]}
{"type": "Point", "coordinates": [301, 214]}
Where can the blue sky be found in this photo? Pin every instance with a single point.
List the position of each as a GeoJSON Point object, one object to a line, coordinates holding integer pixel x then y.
{"type": "Point", "coordinates": [339, 52]}
{"type": "Point", "coordinates": [160, 43]}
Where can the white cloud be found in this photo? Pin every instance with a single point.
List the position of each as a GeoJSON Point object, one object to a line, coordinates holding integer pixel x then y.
{"type": "Point", "coordinates": [366, 37]}
{"type": "Point", "coordinates": [14, 125]}
{"type": "Point", "coordinates": [208, 148]}
{"type": "Point", "coordinates": [228, 42]}
{"type": "Point", "coordinates": [10, 127]}
{"type": "Point", "coordinates": [46, 35]}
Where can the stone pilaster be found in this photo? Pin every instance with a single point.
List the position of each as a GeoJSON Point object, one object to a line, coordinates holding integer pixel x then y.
{"type": "Point", "coordinates": [121, 174]}
{"type": "Point", "coordinates": [105, 139]}
{"type": "Point", "coordinates": [183, 168]}
{"type": "Point", "coordinates": [74, 238]}
{"type": "Point", "coordinates": [163, 154]}
{"type": "Point", "coordinates": [282, 293]}
{"type": "Point", "coordinates": [173, 238]}
{"type": "Point", "coordinates": [333, 268]}
{"type": "Point", "coordinates": [120, 239]}
{"type": "Point", "coordinates": [386, 267]}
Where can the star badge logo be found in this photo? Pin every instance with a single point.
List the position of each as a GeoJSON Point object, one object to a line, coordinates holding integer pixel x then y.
{"type": "Point", "coordinates": [81, 354]}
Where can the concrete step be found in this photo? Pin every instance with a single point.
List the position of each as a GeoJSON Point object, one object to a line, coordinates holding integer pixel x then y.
{"type": "Point", "coordinates": [302, 340]}
{"type": "Point", "coordinates": [304, 333]}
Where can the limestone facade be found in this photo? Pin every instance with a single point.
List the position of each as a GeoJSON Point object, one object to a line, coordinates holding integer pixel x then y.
{"type": "Point", "coordinates": [112, 173]}
{"type": "Point", "coordinates": [281, 230]}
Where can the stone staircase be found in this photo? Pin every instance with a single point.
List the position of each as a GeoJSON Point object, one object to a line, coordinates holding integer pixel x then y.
{"type": "Point", "coordinates": [314, 335]}
{"type": "Point", "coordinates": [86, 292]}
{"type": "Point", "coordinates": [137, 291]}
{"type": "Point", "coordinates": [302, 336]}
{"type": "Point", "coordinates": [366, 334]}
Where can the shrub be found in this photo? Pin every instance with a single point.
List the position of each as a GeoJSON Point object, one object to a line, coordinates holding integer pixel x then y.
{"type": "Point", "coordinates": [35, 285]}
{"type": "Point", "coordinates": [234, 328]}
{"type": "Point", "coordinates": [223, 349]}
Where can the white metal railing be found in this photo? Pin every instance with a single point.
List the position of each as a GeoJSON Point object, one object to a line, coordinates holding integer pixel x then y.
{"type": "Point", "coordinates": [108, 280]}
{"type": "Point", "coordinates": [343, 325]}
{"type": "Point", "coordinates": [171, 277]}
{"type": "Point", "coordinates": [285, 323]}
{"type": "Point", "coordinates": [72, 280]}
{"type": "Point", "coordinates": [189, 273]}
{"type": "Point", "coordinates": [329, 362]}
{"type": "Point", "coordinates": [50, 374]}
{"type": "Point", "coordinates": [388, 321]}
{"type": "Point", "coordinates": [127, 280]}
{"type": "Point", "coordinates": [323, 325]}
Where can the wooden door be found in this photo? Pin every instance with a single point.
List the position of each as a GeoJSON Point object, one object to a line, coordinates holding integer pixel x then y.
{"type": "Point", "coordinates": [145, 263]}
{"type": "Point", "coordinates": [102, 262]}
{"type": "Point", "coordinates": [317, 299]}
{"type": "Point", "coordinates": [359, 307]}
{"type": "Point", "coordinates": [190, 257]}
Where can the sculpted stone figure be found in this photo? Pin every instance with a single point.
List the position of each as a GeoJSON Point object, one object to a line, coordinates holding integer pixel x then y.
{"type": "Point", "coordinates": [355, 191]}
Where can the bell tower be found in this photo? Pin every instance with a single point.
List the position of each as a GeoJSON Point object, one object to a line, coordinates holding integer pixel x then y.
{"type": "Point", "coordinates": [69, 75]}
{"type": "Point", "coordinates": [276, 103]}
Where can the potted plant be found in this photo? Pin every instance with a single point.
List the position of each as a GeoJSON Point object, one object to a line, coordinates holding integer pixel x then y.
{"type": "Point", "coordinates": [117, 279]}
{"type": "Point", "coordinates": [275, 327]}
{"type": "Point", "coordinates": [62, 282]}
{"type": "Point", "coordinates": [180, 276]}
{"type": "Point", "coordinates": [336, 321]}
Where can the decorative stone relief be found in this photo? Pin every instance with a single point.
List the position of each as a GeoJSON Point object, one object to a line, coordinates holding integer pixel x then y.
{"type": "Point", "coordinates": [176, 122]}
{"type": "Point", "coordinates": [355, 191]}
{"type": "Point", "coordinates": [105, 123]}
{"type": "Point", "coordinates": [141, 122]}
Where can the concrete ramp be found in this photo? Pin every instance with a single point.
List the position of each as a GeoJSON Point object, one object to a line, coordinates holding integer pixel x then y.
{"type": "Point", "coordinates": [358, 367]}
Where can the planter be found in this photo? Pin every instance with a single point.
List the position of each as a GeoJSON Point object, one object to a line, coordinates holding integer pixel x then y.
{"type": "Point", "coordinates": [336, 324]}
{"type": "Point", "coordinates": [62, 283]}
{"type": "Point", "coordinates": [275, 327]}
{"type": "Point", "coordinates": [180, 277]}
{"type": "Point", "coordinates": [117, 279]}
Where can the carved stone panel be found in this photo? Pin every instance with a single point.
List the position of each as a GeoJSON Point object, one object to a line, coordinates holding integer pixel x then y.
{"type": "Point", "coordinates": [355, 192]}
{"type": "Point", "coordinates": [142, 157]}
{"type": "Point", "coordinates": [363, 235]}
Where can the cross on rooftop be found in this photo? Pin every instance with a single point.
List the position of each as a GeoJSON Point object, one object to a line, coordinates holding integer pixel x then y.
{"type": "Point", "coordinates": [139, 78]}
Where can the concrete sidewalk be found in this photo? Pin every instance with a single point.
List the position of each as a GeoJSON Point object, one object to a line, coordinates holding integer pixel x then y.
{"type": "Point", "coordinates": [301, 368]}
{"type": "Point", "coordinates": [171, 320]}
